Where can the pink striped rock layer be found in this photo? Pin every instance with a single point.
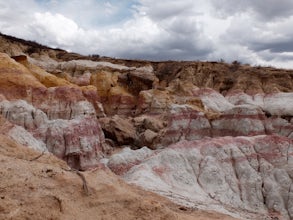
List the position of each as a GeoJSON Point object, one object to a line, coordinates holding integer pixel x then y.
{"type": "Point", "coordinates": [252, 174]}
{"type": "Point", "coordinates": [79, 141]}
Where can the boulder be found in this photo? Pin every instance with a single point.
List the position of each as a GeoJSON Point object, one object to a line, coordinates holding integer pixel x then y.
{"type": "Point", "coordinates": [119, 129]}
{"type": "Point", "coordinates": [148, 138]}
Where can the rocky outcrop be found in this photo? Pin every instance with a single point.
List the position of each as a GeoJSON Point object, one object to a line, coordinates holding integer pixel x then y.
{"type": "Point", "coordinates": [281, 126]}
{"type": "Point", "coordinates": [226, 78]}
{"type": "Point", "coordinates": [205, 134]}
{"type": "Point", "coordinates": [279, 104]}
{"type": "Point", "coordinates": [23, 114]}
{"type": "Point", "coordinates": [16, 82]}
{"type": "Point", "coordinates": [119, 129]}
{"type": "Point", "coordinates": [20, 135]}
{"type": "Point", "coordinates": [62, 102]}
{"type": "Point", "coordinates": [185, 123]}
{"type": "Point", "coordinates": [253, 174]}
{"type": "Point", "coordinates": [79, 141]}
{"type": "Point", "coordinates": [123, 161]}
{"type": "Point", "coordinates": [241, 120]}
{"type": "Point", "coordinates": [277, 108]}
{"type": "Point", "coordinates": [31, 182]}
{"type": "Point", "coordinates": [212, 100]}
{"type": "Point", "coordinates": [185, 111]}
{"type": "Point", "coordinates": [154, 101]}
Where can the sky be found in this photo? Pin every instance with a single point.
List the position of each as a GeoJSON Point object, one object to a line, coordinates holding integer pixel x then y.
{"type": "Point", "coordinates": [256, 32]}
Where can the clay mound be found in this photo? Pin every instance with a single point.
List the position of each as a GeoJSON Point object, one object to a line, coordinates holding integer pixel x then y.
{"type": "Point", "coordinates": [39, 186]}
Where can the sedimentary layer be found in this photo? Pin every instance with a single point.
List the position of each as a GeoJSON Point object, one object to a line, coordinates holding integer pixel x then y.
{"type": "Point", "coordinates": [207, 135]}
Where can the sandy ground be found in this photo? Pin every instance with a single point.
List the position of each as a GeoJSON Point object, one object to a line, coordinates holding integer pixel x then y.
{"type": "Point", "coordinates": [33, 187]}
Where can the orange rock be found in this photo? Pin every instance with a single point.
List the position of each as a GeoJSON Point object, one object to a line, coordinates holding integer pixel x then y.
{"type": "Point", "coordinates": [154, 101]}
{"type": "Point", "coordinates": [45, 78]}
{"type": "Point", "coordinates": [16, 81]}
{"type": "Point", "coordinates": [120, 101]}
{"type": "Point", "coordinates": [104, 81]}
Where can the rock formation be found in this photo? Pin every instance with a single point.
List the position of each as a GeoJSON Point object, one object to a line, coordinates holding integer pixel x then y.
{"type": "Point", "coordinates": [251, 173]}
{"type": "Point", "coordinates": [40, 186]}
{"type": "Point", "coordinates": [207, 135]}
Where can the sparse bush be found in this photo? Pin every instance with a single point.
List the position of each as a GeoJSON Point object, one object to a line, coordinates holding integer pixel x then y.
{"type": "Point", "coordinates": [31, 50]}
{"type": "Point", "coordinates": [95, 55]}
{"type": "Point", "coordinates": [235, 65]}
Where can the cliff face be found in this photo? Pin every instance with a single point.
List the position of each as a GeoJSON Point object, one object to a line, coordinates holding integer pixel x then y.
{"type": "Point", "coordinates": [204, 134]}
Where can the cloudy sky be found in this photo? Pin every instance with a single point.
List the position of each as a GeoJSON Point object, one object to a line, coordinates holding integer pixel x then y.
{"type": "Point", "coordinates": [258, 32]}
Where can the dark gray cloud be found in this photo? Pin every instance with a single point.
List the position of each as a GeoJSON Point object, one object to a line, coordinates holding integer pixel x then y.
{"type": "Point", "coordinates": [270, 57]}
{"type": "Point", "coordinates": [172, 48]}
{"type": "Point", "coordinates": [263, 9]}
{"type": "Point", "coordinates": [278, 47]}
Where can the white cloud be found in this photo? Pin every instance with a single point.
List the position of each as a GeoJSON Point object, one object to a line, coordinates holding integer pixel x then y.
{"type": "Point", "coordinates": [256, 32]}
{"type": "Point", "coordinates": [14, 16]}
{"type": "Point", "coordinates": [160, 10]}
{"type": "Point", "coordinates": [55, 29]}
{"type": "Point", "coordinates": [266, 41]}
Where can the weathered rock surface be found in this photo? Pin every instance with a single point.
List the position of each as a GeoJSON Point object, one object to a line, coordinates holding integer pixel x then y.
{"type": "Point", "coordinates": [185, 123]}
{"type": "Point", "coordinates": [225, 78]}
{"type": "Point", "coordinates": [213, 100]}
{"type": "Point", "coordinates": [274, 104]}
{"type": "Point", "coordinates": [20, 135]}
{"type": "Point", "coordinates": [121, 162]}
{"type": "Point", "coordinates": [23, 114]}
{"type": "Point", "coordinates": [78, 141]}
{"type": "Point", "coordinates": [30, 184]}
{"type": "Point", "coordinates": [252, 174]}
{"type": "Point", "coordinates": [205, 134]}
{"type": "Point", "coordinates": [119, 129]}
{"type": "Point", "coordinates": [241, 120]}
